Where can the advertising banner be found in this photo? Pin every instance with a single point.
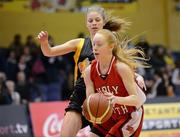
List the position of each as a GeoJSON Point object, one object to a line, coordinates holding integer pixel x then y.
{"type": "Point", "coordinates": [14, 122]}
{"type": "Point", "coordinates": [47, 119]}
{"type": "Point", "coordinates": [161, 120]}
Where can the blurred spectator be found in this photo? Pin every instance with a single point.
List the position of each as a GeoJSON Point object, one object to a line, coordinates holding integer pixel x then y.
{"type": "Point", "coordinates": [81, 35]}
{"type": "Point", "coordinates": [5, 97]}
{"type": "Point", "coordinates": [157, 59]}
{"type": "Point", "coordinates": [11, 67]}
{"type": "Point", "coordinates": [23, 65]}
{"type": "Point", "coordinates": [149, 81]}
{"type": "Point", "coordinates": [176, 78]}
{"type": "Point", "coordinates": [31, 44]}
{"type": "Point", "coordinates": [169, 86]}
{"type": "Point", "coordinates": [38, 69]}
{"type": "Point", "coordinates": [162, 85]}
{"type": "Point", "coordinates": [17, 45]}
{"type": "Point", "coordinates": [27, 54]}
{"type": "Point", "coordinates": [169, 59]}
{"type": "Point", "coordinates": [22, 87]}
{"type": "Point", "coordinates": [49, 6]}
{"type": "Point", "coordinates": [67, 5]}
{"type": "Point", "coordinates": [156, 85]}
{"type": "Point", "coordinates": [35, 4]}
{"type": "Point", "coordinates": [51, 64]}
{"type": "Point", "coordinates": [143, 44]}
{"type": "Point", "coordinates": [3, 57]}
{"type": "Point", "coordinates": [16, 99]}
{"type": "Point", "coordinates": [34, 91]}
{"type": "Point", "coordinates": [53, 79]}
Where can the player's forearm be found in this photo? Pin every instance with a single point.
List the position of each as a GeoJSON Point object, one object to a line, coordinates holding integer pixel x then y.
{"type": "Point", "coordinates": [46, 49]}
{"type": "Point", "coordinates": [132, 100]}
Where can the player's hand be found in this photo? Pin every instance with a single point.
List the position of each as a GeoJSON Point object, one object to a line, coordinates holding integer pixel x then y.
{"type": "Point", "coordinates": [110, 97]}
{"type": "Point", "coordinates": [140, 81]}
{"type": "Point", "coordinates": [43, 37]}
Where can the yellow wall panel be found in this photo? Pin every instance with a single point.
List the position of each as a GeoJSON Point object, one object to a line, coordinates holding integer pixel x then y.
{"type": "Point", "coordinates": [156, 18]}
{"type": "Point", "coordinates": [62, 26]}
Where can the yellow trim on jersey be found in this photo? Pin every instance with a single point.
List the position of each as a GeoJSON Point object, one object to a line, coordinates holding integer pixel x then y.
{"type": "Point", "coordinates": [76, 58]}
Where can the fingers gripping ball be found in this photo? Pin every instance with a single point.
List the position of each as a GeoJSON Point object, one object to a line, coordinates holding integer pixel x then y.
{"type": "Point", "coordinates": [97, 108]}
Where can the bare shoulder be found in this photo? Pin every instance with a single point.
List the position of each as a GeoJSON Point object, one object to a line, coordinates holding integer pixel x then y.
{"type": "Point", "coordinates": [75, 42]}
{"type": "Point", "coordinates": [125, 72]}
{"type": "Point", "coordinates": [123, 68]}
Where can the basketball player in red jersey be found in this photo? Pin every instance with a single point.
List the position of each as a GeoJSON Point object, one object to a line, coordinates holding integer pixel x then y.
{"type": "Point", "coordinates": [112, 74]}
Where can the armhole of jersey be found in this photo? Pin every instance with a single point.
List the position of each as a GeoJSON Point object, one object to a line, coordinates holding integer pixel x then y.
{"type": "Point", "coordinates": [76, 58]}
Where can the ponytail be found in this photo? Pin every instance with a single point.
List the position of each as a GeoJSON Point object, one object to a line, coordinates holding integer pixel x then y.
{"type": "Point", "coordinates": [112, 23]}
{"type": "Point", "coordinates": [116, 24]}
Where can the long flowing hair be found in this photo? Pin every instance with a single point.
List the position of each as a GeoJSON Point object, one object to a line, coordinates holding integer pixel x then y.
{"type": "Point", "coordinates": [131, 56]}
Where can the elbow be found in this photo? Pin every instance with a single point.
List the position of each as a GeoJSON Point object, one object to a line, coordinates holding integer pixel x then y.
{"type": "Point", "coordinates": [141, 97]}
{"type": "Point", "coordinates": [46, 50]}
{"type": "Point", "coordinates": [47, 53]}
{"type": "Point", "coordinates": [139, 101]}
{"type": "Point", "coordinates": [144, 99]}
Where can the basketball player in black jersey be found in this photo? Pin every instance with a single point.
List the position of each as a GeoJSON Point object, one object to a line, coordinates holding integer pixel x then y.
{"type": "Point", "coordinates": [96, 19]}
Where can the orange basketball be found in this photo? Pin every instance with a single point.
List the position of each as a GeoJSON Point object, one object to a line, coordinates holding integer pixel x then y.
{"type": "Point", "coordinates": [97, 108]}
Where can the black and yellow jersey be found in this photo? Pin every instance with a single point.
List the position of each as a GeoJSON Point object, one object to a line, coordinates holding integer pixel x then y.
{"type": "Point", "coordinates": [82, 55]}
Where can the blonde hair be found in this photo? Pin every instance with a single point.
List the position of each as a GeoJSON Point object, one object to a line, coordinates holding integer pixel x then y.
{"type": "Point", "coordinates": [133, 57]}
{"type": "Point", "coordinates": [112, 23]}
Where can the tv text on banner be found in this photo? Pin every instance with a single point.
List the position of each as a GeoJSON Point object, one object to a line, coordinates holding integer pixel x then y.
{"type": "Point", "coordinates": [13, 121]}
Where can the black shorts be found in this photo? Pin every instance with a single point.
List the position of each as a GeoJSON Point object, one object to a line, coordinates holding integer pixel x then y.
{"type": "Point", "coordinates": [77, 98]}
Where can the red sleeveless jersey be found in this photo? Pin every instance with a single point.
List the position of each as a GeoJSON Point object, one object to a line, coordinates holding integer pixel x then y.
{"type": "Point", "coordinates": [111, 82]}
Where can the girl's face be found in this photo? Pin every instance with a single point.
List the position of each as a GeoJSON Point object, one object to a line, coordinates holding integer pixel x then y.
{"type": "Point", "coordinates": [101, 47]}
{"type": "Point", "coordinates": [94, 22]}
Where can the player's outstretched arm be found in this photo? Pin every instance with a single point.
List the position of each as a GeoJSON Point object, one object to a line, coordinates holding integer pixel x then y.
{"type": "Point", "coordinates": [67, 47]}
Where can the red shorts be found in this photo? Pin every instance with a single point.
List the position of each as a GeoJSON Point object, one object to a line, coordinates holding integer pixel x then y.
{"type": "Point", "coordinates": [125, 125]}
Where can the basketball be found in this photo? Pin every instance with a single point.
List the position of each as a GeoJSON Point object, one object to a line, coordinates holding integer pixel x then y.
{"type": "Point", "coordinates": [97, 108]}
